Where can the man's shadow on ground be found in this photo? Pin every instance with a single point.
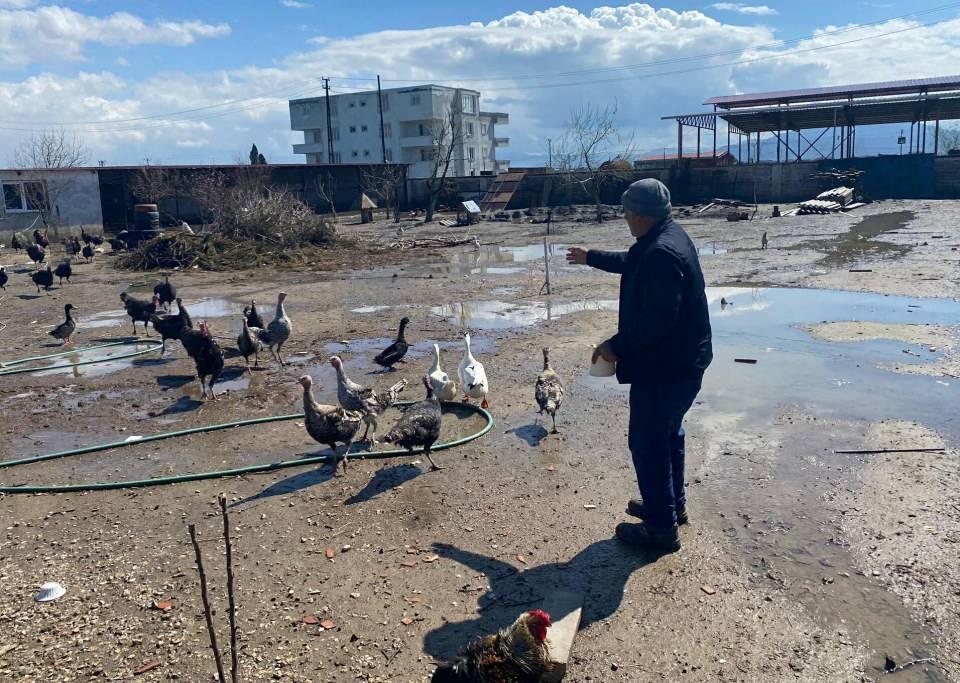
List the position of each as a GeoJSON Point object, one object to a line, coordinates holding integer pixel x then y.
{"type": "Point", "coordinates": [599, 572]}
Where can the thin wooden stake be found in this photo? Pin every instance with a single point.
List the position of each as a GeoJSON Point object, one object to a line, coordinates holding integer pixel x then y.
{"type": "Point", "coordinates": [206, 605]}
{"type": "Point", "coordinates": [234, 655]}
{"type": "Point", "coordinates": [891, 450]}
{"type": "Point", "coordinates": [546, 262]}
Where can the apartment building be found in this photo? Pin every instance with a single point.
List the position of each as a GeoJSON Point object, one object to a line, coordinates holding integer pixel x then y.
{"type": "Point", "coordinates": [411, 119]}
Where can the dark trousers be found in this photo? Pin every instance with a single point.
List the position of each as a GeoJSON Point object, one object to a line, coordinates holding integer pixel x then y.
{"type": "Point", "coordinates": [657, 445]}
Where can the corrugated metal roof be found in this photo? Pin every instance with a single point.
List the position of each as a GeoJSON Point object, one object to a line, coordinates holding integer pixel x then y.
{"type": "Point", "coordinates": [939, 83]}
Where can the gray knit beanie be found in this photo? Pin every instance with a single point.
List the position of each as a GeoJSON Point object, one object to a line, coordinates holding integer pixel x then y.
{"type": "Point", "coordinates": [647, 197]}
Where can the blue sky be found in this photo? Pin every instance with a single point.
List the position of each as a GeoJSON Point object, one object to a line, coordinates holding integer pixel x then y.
{"type": "Point", "coordinates": [86, 64]}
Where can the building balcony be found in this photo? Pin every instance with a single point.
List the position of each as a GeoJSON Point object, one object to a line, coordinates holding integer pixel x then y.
{"type": "Point", "coordinates": [417, 141]}
{"type": "Point", "coordinates": [501, 142]}
{"type": "Point", "coordinates": [496, 118]}
{"type": "Point", "coordinates": [310, 148]}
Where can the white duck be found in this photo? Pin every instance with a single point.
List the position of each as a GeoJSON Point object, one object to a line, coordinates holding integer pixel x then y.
{"type": "Point", "coordinates": [444, 387]}
{"type": "Point", "coordinates": [473, 377]}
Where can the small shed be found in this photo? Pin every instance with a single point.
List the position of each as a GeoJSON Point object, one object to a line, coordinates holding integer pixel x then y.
{"type": "Point", "coordinates": [468, 213]}
{"type": "Point", "coordinates": [367, 207]}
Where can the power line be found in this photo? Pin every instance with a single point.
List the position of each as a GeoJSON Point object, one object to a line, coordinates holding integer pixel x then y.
{"type": "Point", "coordinates": [170, 119]}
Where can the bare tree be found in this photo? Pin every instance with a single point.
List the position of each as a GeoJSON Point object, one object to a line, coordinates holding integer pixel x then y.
{"type": "Point", "coordinates": [384, 183]}
{"type": "Point", "coordinates": [447, 137]}
{"type": "Point", "coordinates": [594, 152]}
{"type": "Point", "coordinates": [51, 149]}
{"type": "Point", "coordinates": [949, 139]}
{"type": "Point", "coordinates": [326, 187]}
{"type": "Point", "coordinates": [152, 183]}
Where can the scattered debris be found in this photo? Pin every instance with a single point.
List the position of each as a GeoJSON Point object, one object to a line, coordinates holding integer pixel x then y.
{"type": "Point", "coordinates": [709, 590]}
{"type": "Point", "coordinates": [748, 361]}
{"type": "Point", "coordinates": [873, 451]}
{"type": "Point", "coordinates": [147, 666]}
{"type": "Point", "coordinates": [50, 591]}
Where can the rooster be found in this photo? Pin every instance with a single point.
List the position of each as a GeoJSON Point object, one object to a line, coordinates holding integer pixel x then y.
{"type": "Point", "coordinates": [366, 400]}
{"type": "Point", "coordinates": [207, 356]}
{"type": "Point", "coordinates": [517, 654]}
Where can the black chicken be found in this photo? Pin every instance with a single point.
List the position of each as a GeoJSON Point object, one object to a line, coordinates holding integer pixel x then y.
{"type": "Point", "coordinates": [73, 246]}
{"type": "Point", "coordinates": [65, 329]}
{"type": "Point", "coordinates": [17, 243]}
{"type": "Point", "coordinates": [36, 253]}
{"type": "Point", "coordinates": [207, 356]}
{"type": "Point", "coordinates": [88, 238]}
{"type": "Point", "coordinates": [394, 353]}
{"type": "Point", "coordinates": [117, 244]}
{"type": "Point", "coordinates": [419, 425]}
{"type": "Point", "coordinates": [4, 278]}
{"type": "Point", "coordinates": [165, 292]}
{"type": "Point", "coordinates": [171, 326]}
{"type": "Point", "coordinates": [253, 316]}
{"type": "Point", "coordinates": [40, 239]}
{"type": "Point", "coordinates": [43, 278]}
{"type": "Point", "coordinates": [64, 271]}
{"type": "Point", "coordinates": [87, 252]}
{"type": "Point", "coordinates": [140, 311]}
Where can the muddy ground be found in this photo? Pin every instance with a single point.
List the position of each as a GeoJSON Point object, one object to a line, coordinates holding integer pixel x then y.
{"type": "Point", "coordinates": [801, 563]}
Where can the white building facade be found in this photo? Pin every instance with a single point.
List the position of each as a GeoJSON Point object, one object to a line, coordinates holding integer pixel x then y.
{"type": "Point", "coordinates": [412, 118]}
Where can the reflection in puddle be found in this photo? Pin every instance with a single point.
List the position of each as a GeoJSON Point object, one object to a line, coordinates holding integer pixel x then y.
{"type": "Point", "coordinates": [202, 308]}
{"type": "Point", "coordinates": [495, 315]}
{"type": "Point", "coordinates": [101, 368]}
{"type": "Point", "coordinates": [495, 260]}
{"type": "Point", "coordinates": [369, 309]}
{"type": "Point", "coordinates": [711, 249]}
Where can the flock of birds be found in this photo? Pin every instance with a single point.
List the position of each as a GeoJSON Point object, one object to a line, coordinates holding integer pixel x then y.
{"type": "Point", "coordinates": [37, 251]}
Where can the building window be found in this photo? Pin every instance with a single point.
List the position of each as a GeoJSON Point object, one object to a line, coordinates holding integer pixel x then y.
{"type": "Point", "coordinates": [333, 107]}
{"type": "Point", "coordinates": [414, 100]}
{"type": "Point", "coordinates": [472, 153]}
{"type": "Point", "coordinates": [337, 158]}
{"type": "Point", "coordinates": [28, 196]}
{"type": "Point", "coordinates": [469, 129]}
{"type": "Point", "coordinates": [469, 103]}
{"type": "Point", "coordinates": [363, 128]}
{"type": "Point", "coordinates": [423, 130]}
{"type": "Point", "coordinates": [485, 152]}
{"type": "Point", "coordinates": [363, 103]}
{"type": "Point", "coordinates": [336, 133]}
{"type": "Point", "coordinates": [483, 129]}
{"type": "Point", "coordinates": [385, 102]}
{"type": "Point", "coordinates": [353, 129]}
{"type": "Point", "coordinates": [387, 130]}
{"type": "Point", "coordinates": [352, 104]}
{"type": "Point", "coordinates": [426, 154]}
{"type": "Point", "coordinates": [366, 152]}
{"type": "Point", "coordinates": [355, 154]}
{"type": "Point", "coordinates": [388, 156]}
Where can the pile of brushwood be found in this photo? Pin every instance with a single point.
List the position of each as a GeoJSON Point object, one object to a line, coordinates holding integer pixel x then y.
{"type": "Point", "coordinates": [252, 228]}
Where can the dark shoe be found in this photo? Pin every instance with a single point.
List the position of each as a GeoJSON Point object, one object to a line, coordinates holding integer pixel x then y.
{"type": "Point", "coordinates": [636, 508]}
{"type": "Point", "coordinates": [642, 536]}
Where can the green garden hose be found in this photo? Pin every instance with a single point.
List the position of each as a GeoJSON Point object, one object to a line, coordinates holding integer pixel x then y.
{"type": "Point", "coordinates": [214, 474]}
{"type": "Point", "coordinates": [154, 346]}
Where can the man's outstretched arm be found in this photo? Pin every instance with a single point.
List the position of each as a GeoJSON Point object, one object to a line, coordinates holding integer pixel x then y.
{"type": "Point", "coordinates": [609, 261]}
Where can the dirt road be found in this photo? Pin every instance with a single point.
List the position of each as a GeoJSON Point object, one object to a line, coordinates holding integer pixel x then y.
{"type": "Point", "coordinates": [800, 563]}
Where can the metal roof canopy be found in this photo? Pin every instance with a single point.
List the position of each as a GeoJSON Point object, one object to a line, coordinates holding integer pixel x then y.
{"type": "Point", "coordinates": [878, 89]}
{"type": "Point", "coordinates": [865, 113]}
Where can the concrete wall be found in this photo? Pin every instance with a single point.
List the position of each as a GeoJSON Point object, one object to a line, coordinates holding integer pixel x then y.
{"type": "Point", "coordinates": [74, 197]}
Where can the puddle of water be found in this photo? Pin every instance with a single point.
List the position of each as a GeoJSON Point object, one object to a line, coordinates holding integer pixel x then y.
{"type": "Point", "coordinates": [495, 259]}
{"type": "Point", "coordinates": [202, 308]}
{"type": "Point", "coordinates": [711, 249]}
{"type": "Point", "coordinates": [98, 369]}
{"type": "Point", "coordinates": [500, 315]}
{"type": "Point", "coordinates": [858, 243]}
{"type": "Point", "coordinates": [369, 309]}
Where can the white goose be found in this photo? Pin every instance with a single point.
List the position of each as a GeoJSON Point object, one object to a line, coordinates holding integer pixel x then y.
{"type": "Point", "coordinates": [473, 377]}
{"type": "Point", "coordinates": [444, 387]}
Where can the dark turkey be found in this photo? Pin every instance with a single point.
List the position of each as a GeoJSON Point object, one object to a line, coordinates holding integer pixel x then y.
{"type": "Point", "coordinates": [73, 246]}
{"type": "Point", "coordinates": [87, 252]}
{"type": "Point", "coordinates": [419, 425]}
{"type": "Point", "coordinates": [36, 253]}
{"type": "Point", "coordinates": [329, 425]}
{"type": "Point", "coordinates": [253, 316]}
{"type": "Point", "coordinates": [43, 278]}
{"type": "Point", "coordinates": [96, 240]}
{"type": "Point", "coordinates": [17, 243]}
{"type": "Point", "coordinates": [4, 278]}
{"type": "Point", "coordinates": [65, 329]}
{"type": "Point", "coordinates": [394, 353]}
{"type": "Point", "coordinates": [249, 344]}
{"type": "Point", "coordinates": [207, 356]}
{"type": "Point", "coordinates": [40, 239]}
{"type": "Point", "coordinates": [165, 292]}
{"type": "Point", "coordinates": [171, 326]}
{"type": "Point", "coordinates": [140, 311]}
{"type": "Point", "coordinates": [64, 271]}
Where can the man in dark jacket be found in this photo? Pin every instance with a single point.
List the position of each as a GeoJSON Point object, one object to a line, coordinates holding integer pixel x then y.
{"type": "Point", "coordinates": [662, 348]}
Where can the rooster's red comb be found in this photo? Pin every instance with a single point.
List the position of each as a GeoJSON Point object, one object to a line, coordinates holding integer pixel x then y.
{"type": "Point", "coordinates": [542, 616]}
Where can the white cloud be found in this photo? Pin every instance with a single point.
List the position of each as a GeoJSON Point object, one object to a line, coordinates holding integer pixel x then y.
{"type": "Point", "coordinates": [121, 61]}
{"type": "Point", "coordinates": [495, 58]}
{"type": "Point", "coordinates": [296, 4]}
{"type": "Point", "coordinates": [739, 7]}
{"type": "Point", "coordinates": [17, 4]}
{"type": "Point", "coordinates": [53, 34]}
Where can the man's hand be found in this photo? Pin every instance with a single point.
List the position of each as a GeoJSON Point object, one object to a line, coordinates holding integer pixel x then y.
{"type": "Point", "coordinates": [577, 256]}
{"type": "Point", "coordinates": [605, 351]}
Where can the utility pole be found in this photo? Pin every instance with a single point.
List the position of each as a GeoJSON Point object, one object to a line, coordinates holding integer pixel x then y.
{"type": "Point", "coordinates": [549, 153]}
{"type": "Point", "coordinates": [383, 143]}
{"type": "Point", "coordinates": [326, 87]}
